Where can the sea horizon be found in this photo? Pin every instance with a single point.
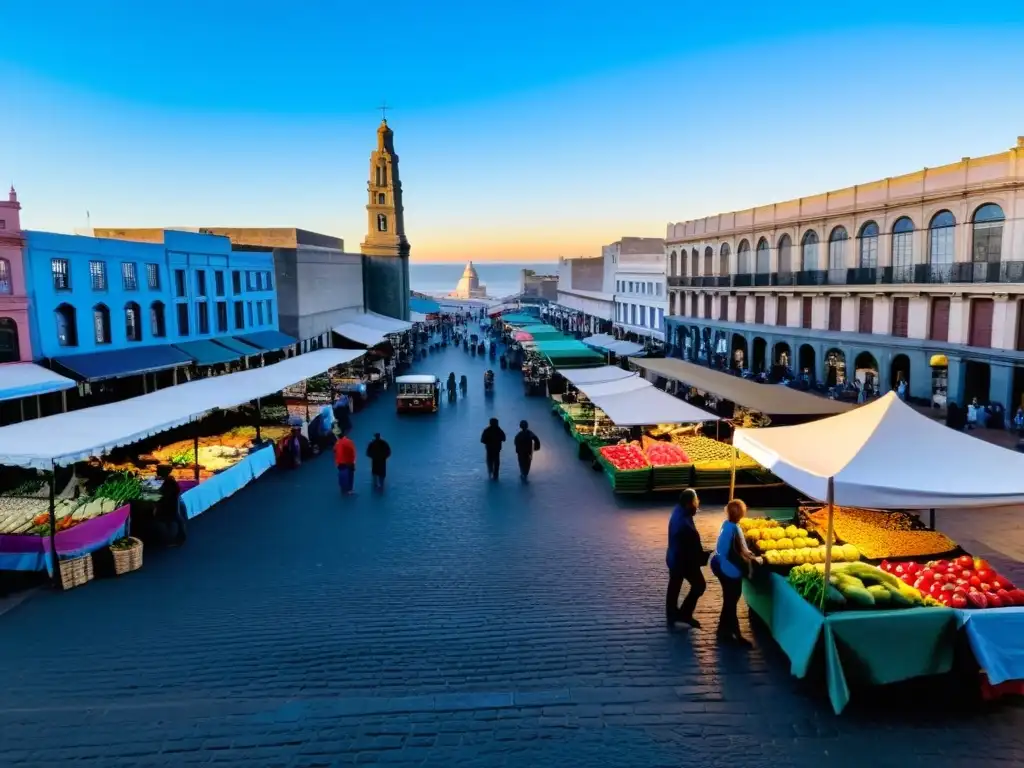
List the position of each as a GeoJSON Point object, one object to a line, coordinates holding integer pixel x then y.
{"type": "Point", "coordinates": [500, 278]}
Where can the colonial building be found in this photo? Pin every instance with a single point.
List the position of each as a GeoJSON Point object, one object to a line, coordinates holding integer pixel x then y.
{"type": "Point", "coordinates": [385, 249]}
{"type": "Point", "coordinates": [641, 295]}
{"type": "Point", "coordinates": [15, 339]}
{"type": "Point", "coordinates": [917, 277]}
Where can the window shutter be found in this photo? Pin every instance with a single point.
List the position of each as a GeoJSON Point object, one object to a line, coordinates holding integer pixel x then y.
{"type": "Point", "coordinates": [900, 315]}
{"type": "Point", "coordinates": [806, 314]}
{"type": "Point", "coordinates": [723, 308]}
{"type": "Point", "coordinates": [759, 310]}
{"type": "Point", "coordinates": [981, 322]}
{"type": "Point", "coordinates": [938, 329]}
{"type": "Point", "coordinates": [866, 317]}
{"type": "Point", "coordinates": [1020, 326]}
{"type": "Point", "coordinates": [835, 314]}
{"type": "Point", "coordinates": [707, 306]}
{"type": "Point", "coordinates": [741, 309]}
{"type": "Point", "coordinates": [693, 305]}
{"type": "Point", "coordinates": [781, 311]}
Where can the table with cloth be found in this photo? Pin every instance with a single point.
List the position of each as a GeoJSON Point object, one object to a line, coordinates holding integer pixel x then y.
{"type": "Point", "coordinates": [867, 647]}
{"type": "Point", "coordinates": [995, 639]}
{"type": "Point", "coordinates": [201, 497]}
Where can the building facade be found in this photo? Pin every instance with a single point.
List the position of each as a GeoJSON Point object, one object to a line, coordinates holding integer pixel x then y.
{"type": "Point", "coordinates": [916, 278]}
{"type": "Point", "coordinates": [641, 290]}
{"type": "Point", "coordinates": [15, 329]}
{"type": "Point", "coordinates": [587, 286]}
{"type": "Point", "coordinates": [536, 286]}
{"type": "Point", "coordinates": [385, 249]}
{"type": "Point", "coordinates": [93, 294]}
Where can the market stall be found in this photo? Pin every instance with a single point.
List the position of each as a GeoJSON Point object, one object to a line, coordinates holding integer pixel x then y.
{"type": "Point", "coordinates": [861, 465]}
{"type": "Point", "coordinates": [55, 499]}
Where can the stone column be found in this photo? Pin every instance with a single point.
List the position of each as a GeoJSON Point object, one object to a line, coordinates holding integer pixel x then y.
{"type": "Point", "coordinates": [1000, 388]}
{"type": "Point", "coordinates": [956, 380]}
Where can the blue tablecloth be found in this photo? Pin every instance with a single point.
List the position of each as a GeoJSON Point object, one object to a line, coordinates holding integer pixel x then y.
{"type": "Point", "coordinates": [217, 488]}
{"type": "Point", "coordinates": [997, 640]}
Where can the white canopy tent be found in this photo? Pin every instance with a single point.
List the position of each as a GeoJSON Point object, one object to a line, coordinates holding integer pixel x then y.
{"type": "Point", "coordinates": [417, 317]}
{"type": "Point", "coordinates": [69, 437]}
{"type": "Point", "coordinates": [648, 405]}
{"type": "Point", "coordinates": [369, 328]}
{"type": "Point", "coordinates": [580, 376]}
{"type": "Point", "coordinates": [599, 340]}
{"type": "Point", "coordinates": [625, 348]}
{"type": "Point", "coordinates": [28, 379]}
{"type": "Point", "coordinates": [886, 455]}
{"type": "Point", "coordinates": [382, 322]}
{"type": "Point", "coordinates": [360, 334]}
{"type": "Point", "coordinates": [615, 387]}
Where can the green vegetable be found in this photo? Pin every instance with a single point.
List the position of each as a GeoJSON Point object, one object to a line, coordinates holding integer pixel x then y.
{"type": "Point", "coordinates": [880, 593]}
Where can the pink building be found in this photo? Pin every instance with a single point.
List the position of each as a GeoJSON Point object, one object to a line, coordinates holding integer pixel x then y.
{"type": "Point", "coordinates": [15, 342]}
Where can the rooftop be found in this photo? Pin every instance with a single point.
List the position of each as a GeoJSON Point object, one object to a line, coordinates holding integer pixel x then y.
{"type": "Point", "coordinates": [265, 237]}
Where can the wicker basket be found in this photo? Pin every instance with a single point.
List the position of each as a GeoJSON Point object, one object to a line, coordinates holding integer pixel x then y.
{"type": "Point", "coordinates": [75, 572]}
{"type": "Point", "coordinates": [127, 560]}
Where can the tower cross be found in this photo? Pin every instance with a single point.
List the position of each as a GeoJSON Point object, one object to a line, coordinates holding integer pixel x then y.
{"type": "Point", "coordinates": [384, 111]}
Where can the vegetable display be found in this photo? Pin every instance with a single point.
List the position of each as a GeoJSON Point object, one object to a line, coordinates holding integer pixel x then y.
{"type": "Point", "coordinates": [879, 534]}
{"type": "Point", "coordinates": [707, 453]}
{"type": "Point", "coordinates": [662, 454]}
{"type": "Point", "coordinates": [855, 586]}
{"type": "Point", "coordinates": [790, 545]}
{"type": "Point", "coordinates": [625, 457]}
{"type": "Point", "coordinates": [962, 582]}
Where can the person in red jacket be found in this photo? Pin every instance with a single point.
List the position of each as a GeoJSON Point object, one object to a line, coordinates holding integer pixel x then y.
{"type": "Point", "coordinates": [345, 460]}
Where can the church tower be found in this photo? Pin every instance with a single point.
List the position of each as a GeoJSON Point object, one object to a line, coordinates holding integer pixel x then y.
{"type": "Point", "coordinates": [385, 249]}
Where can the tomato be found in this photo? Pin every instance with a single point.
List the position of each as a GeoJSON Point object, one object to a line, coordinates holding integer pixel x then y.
{"type": "Point", "coordinates": [997, 585]}
{"type": "Point", "coordinates": [1005, 596]}
{"type": "Point", "coordinates": [993, 600]}
{"type": "Point", "coordinates": [940, 567]}
{"type": "Point", "coordinates": [959, 600]}
{"type": "Point", "coordinates": [913, 567]}
{"type": "Point", "coordinates": [949, 588]}
{"type": "Point", "coordinates": [975, 581]}
{"type": "Point", "coordinates": [886, 566]}
{"type": "Point", "coordinates": [928, 573]}
{"type": "Point", "coordinates": [1018, 596]}
{"type": "Point", "coordinates": [977, 600]}
{"type": "Point", "coordinates": [985, 587]}
{"type": "Point", "coordinates": [986, 574]}
{"type": "Point", "coordinates": [981, 565]}
{"type": "Point", "coordinates": [966, 573]}
{"type": "Point", "coordinates": [965, 561]}
{"type": "Point", "coordinates": [921, 584]}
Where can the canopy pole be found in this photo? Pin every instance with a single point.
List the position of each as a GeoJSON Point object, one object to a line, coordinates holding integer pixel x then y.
{"type": "Point", "coordinates": [259, 436]}
{"type": "Point", "coordinates": [828, 541]}
{"type": "Point", "coordinates": [54, 560]}
{"type": "Point", "coordinates": [732, 475]}
{"type": "Point", "coordinates": [195, 452]}
{"type": "Point", "coordinates": [931, 519]}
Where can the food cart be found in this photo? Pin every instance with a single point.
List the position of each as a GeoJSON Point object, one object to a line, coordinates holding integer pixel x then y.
{"type": "Point", "coordinates": [417, 393]}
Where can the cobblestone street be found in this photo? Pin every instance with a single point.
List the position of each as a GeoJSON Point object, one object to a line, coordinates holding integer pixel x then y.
{"type": "Point", "coordinates": [452, 621]}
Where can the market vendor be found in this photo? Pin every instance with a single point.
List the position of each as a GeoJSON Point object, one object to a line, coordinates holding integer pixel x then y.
{"type": "Point", "coordinates": [731, 562]}
{"type": "Point", "coordinates": [293, 448]}
{"type": "Point", "coordinates": [170, 517]}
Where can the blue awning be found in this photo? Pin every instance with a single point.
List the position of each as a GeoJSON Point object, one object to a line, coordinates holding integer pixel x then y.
{"type": "Point", "coordinates": [207, 352]}
{"type": "Point", "coordinates": [238, 346]}
{"type": "Point", "coordinates": [424, 306]}
{"type": "Point", "coordinates": [96, 366]}
{"type": "Point", "coordinates": [268, 340]}
{"type": "Point", "coordinates": [28, 380]}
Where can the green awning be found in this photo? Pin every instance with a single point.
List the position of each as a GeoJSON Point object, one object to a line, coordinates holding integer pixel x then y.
{"type": "Point", "coordinates": [518, 319]}
{"type": "Point", "coordinates": [207, 352]}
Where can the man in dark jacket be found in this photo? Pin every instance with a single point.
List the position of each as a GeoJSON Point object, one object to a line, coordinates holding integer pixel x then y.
{"type": "Point", "coordinates": [378, 453]}
{"type": "Point", "coordinates": [526, 443]}
{"type": "Point", "coordinates": [685, 558]}
{"type": "Point", "coordinates": [492, 438]}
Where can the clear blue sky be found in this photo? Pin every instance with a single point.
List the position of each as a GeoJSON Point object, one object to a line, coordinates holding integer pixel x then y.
{"type": "Point", "coordinates": [526, 130]}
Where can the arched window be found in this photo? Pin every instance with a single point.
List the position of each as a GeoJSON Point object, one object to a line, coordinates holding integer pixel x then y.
{"type": "Point", "coordinates": [101, 324]}
{"type": "Point", "coordinates": [132, 321]}
{"type": "Point", "coordinates": [382, 222]}
{"type": "Point", "coordinates": [67, 329]}
{"type": "Point", "coordinates": [694, 263]}
{"type": "Point", "coordinates": [723, 260]}
{"type": "Point", "coordinates": [785, 254]}
{"type": "Point", "coordinates": [903, 250]}
{"type": "Point", "coordinates": [157, 327]}
{"type": "Point", "coordinates": [867, 257]}
{"type": "Point", "coordinates": [6, 287]}
{"type": "Point", "coordinates": [381, 198]}
{"type": "Point", "coordinates": [683, 262]}
{"type": "Point", "coordinates": [10, 350]}
{"type": "Point", "coordinates": [709, 261]}
{"type": "Point", "coordinates": [941, 246]}
{"type": "Point", "coordinates": [672, 263]}
{"type": "Point", "coordinates": [763, 257]}
{"type": "Point", "coordinates": [987, 234]}
{"type": "Point", "coordinates": [809, 251]}
{"type": "Point", "coordinates": [837, 255]}
{"type": "Point", "coordinates": [743, 258]}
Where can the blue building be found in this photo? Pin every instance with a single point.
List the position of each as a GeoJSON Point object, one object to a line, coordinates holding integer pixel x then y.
{"type": "Point", "coordinates": [105, 308]}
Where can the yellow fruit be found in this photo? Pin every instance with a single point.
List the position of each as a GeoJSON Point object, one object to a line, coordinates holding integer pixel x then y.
{"type": "Point", "coordinates": [754, 533]}
{"type": "Point", "coordinates": [791, 531]}
{"type": "Point", "coordinates": [850, 553]}
{"type": "Point", "coordinates": [787, 558]}
{"type": "Point", "coordinates": [798, 558]}
{"type": "Point", "coordinates": [801, 533]}
{"type": "Point", "coordinates": [786, 543]}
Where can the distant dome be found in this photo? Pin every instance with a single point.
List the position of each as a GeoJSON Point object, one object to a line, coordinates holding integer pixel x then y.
{"type": "Point", "coordinates": [469, 285]}
{"type": "Point", "coordinates": [470, 272]}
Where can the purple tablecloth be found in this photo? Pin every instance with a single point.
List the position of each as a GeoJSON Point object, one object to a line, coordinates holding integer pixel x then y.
{"type": "Point", "coordinates": [29, 553]}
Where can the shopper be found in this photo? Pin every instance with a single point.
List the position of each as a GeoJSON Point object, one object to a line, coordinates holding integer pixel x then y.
{"type": "Point", "coordinates": [343, 414]}
{"type": "Point", "coordinates": [685, 557]}
{"type": "Point", "coordinates": [526, 443]}
{"type": "Point", "coordinates": [731, 562]}
{"type": "Point", "coordinates": [492, 438]}
{"type": "Point", "coordinates": [170, 517]}
{"type": "Point", "coordinates": [345, 461]}
{"type": "Point", "coordinates": [378, 453]}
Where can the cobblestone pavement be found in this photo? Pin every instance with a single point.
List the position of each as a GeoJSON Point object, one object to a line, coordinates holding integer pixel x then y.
{"type": "Point", "coordinates": [452, 621]}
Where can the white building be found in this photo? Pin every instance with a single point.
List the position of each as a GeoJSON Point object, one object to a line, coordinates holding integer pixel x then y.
{"type": "Point", "coordinates": [469, 285]}
{"type": "Point", "coordinates": [916, 278]}
{"type": "Point", "coordinates": [641, 294]}
{"type": "Point", "coordinates": [587, 286]}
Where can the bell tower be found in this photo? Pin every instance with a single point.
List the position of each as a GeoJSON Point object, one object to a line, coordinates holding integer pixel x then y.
{"type": "Point", "coordinates": [385, 249]}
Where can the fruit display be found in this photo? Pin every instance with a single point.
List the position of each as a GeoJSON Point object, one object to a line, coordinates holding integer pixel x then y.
{"type": "Point", "coordinates": [625, 457]}
{"type": "Point", "coordinates": [961, 582]}
{"type": "Point", "coordinates": [661, 454]}
{"type": "Point", "coordinates": [879, 534]}
{"type": "Point", "coordinates": [855, 586]}
{"type": "Point", "coordinates": [789, 545]}
{"type": "Point", "coordinates": [710, 454]}
{"type": "Point", "coordinates": [32, 516]}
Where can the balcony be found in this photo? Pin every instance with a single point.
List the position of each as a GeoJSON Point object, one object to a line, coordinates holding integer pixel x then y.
{"type": "Point", "coordinates": [988, 272]}
{"type": "Point", "coordinates": [925, 274]}
{"type": "Point", "coordinates": [784, 278]}
{"type": "Point", "coordinates": [677, 281]}
{"type": "Point", "coordinates": [742, 281]}
{"type": "Point", "coordinates": [812, 277]}
{"type": "Point", "coordinates": [762, 278]}
{"type": "Point", "coordinates": [864, 276]}
{"type": "Point", "coordinates": [719, 281]}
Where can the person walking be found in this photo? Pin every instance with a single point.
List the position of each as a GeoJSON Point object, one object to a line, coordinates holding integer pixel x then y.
{"type": "Point", "coordinates": [343, 413]}
{"type": "Point", "coordinates": [170, 515]}
{"type": "Point", "coordinates": [731, 562]}
{"type": "Point", "coordinates": [492, 438]}
{"type": "Point", "coordinates": [685, 557]}
{"type": "Point", "coordinates": [378, 453]}
{"type": "Point", "coordinates": [526, 443]}
{"type": "Point", "coordinates": [345, 461]}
